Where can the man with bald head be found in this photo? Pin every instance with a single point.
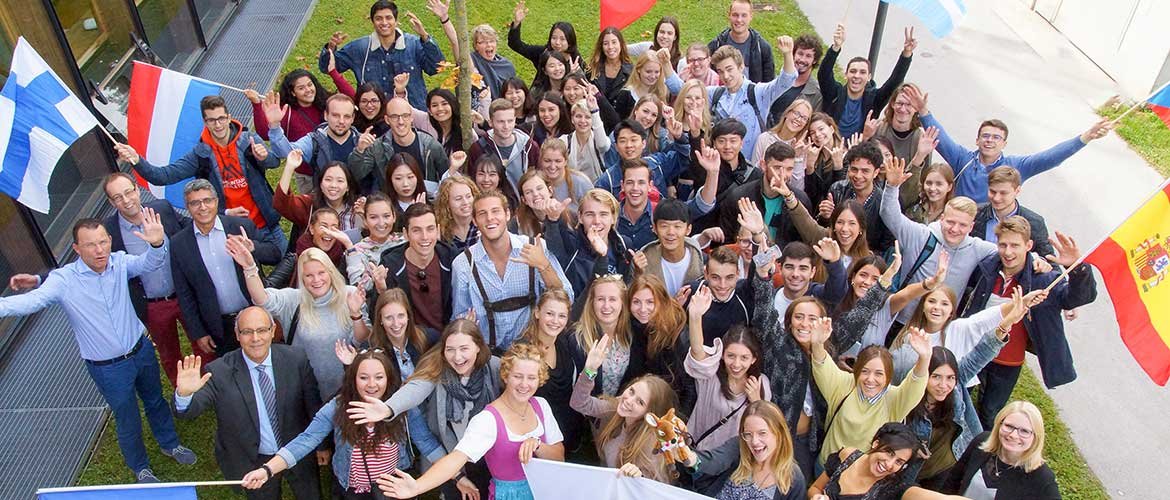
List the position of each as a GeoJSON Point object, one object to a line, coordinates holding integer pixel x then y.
{"type": "Point", "coordinates": [403, 138]}
{"type": "Point", "coordinates": [263, 394]}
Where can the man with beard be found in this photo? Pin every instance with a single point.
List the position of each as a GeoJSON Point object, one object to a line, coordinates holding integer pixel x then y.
{"type": "Point", "coordinates": [422, 268]}
{"type": "Point", "coordinates": [806, 53]}
{"type": "Point", "coordinates": [851, 104]}
{"type": "Point", "coordinates": [333, 141]}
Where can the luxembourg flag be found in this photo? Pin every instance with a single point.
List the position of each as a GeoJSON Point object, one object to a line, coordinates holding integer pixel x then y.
{"type": "Point", "coordinates": [1159, 103]}
{"type": "Point", "coordinates": [939, 16]}
{"type": "Point", "coordinates": [163, 120]}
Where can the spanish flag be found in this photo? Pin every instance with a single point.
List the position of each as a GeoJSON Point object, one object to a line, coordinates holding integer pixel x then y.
{"type": "Point", "coordinates": [1135, 263]}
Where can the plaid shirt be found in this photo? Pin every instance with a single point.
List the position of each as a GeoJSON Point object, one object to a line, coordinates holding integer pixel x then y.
{"type": "Point", "coordinates": [514, 284]}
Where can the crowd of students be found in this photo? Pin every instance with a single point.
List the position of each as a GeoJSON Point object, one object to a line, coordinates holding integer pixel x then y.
{"type": "Point", "coordinates": [834, 294]}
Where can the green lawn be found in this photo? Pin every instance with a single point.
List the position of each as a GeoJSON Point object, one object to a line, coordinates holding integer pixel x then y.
{"type": "Point", "coordinates": [698, 23]}
{"type": "Point", "coordinates": [1145, 133]}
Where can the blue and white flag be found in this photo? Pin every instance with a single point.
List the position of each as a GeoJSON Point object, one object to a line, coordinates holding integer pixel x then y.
{"type": "Point", "coordinates": [39, 118]}
{"type": "Point", "coordinates": [159, 491]}
{"type": "Point", "coordinates": [939, 16]}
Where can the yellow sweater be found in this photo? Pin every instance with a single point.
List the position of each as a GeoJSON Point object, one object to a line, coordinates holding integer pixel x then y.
{"type": "Point", "coordinates": [858, 420]}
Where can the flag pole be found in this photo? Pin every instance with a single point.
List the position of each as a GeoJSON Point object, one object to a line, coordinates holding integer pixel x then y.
{"type": "Point", "coordinates": [110, 487]}
{"type": "Point", "coordinates": [1139, 104]}
{"type": "Point", "coordinates": [1085, 254]}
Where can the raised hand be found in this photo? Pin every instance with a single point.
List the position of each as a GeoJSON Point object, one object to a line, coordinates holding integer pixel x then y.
{"type": "Point", "coordinates": [700, 302]}
{"type": "Point", "coordinates": [871, 126]}
{"type": "Point", "coordinates": [683, 293]}
{"type": "Point", "coordinates": [828, 249]}
{"type": "Point", "coordinates": [458, 158]}
{"type": "Point", "coordinates": [243, 239]}
{"type": "Point", "coordinates": [752, 389]}
{"type": "Point", "coordinates": [919, 342]}
{"type": "Point", "coordinates": [1067, 252]}
{"type": "Point", "coordinates": [237, 212]}
{"type": "Point", "coordinates": [519, 13]}
{"type": "Point", "coordinates": [365, 140]}
{"type": "Point", "coordinates": [639, 259]}
{"type": "Point", "coordinates": [855, 139]}
{"type": "Point", "coordinates": [837, 154]}
{"type": "Point", "coordinates": [331, 66]}
{"type": "Point", "coordinates": [839, 37]}
{"type": "Point", "coordinates": [750, 217]}
{"type": "Point", "coordinates": [237, 247]}
{"type": "Point", "coordinates": [895, 262]}
{"type": "Point", "coordinates": [336, 39]}
{"type": "Point", "coordinates": [273, 110]}
{"type": "Point", "coordinates": [910, 44]}
{"type": "Point", "coordinates": [416, 25]}
{"type": "Point", "coordinates": [354, 300]}
{"type": "Point", "coordinates": [439, 8]}
{"type": "Point", "coordinates": [188, 380]}
{"type": "Point", "coordinates": [22, 282]}
{"type": "Point", "coordinates": [295, 158]}
{"type": "Point", "coordinates": [897, 173]}
{"type": "Point", "coordinates": [344, 352]}
{"type": "Point", "coordinates": [553, 209]}
{"type": "Point", "coordinates": [708, 158]}
{"type": "Point", "coordinates": [917, 99]}
{"type": "Point", "coordinates": [927, 141]}
{"type": "Point", "coordinates": [597, 353]}
{"type": "Point", "coordinates": [1097, 131]}
{"type": "Point", "coordinates": [784, 44]}
{"type": "Point", "coordinates": [826, 207]}
{"type": "Point", "coordinates": [258, 150]}
{"type": "Point", "coordinates": [368, 411]}
{"type": "Point", "coordinates": [940, 275]}
{"type": "Point", "coordinates": [711, 235]}
{"type": "Point", "coordinates": [255, 97]}
{"type": "Point", "coordinates": [126, 153]}
{"type": "Point", "coordinates": [822, 329]}
{"type": "Point", "coordinates": [400, 82]}
{"type": "Point", "coordinates": [812, 152]}
{"type": "Point", "coordinates": [421, 197]}
{"type": "Point", "coordinates": [532, 254]}
{"type": "Point", "coordinates": [598, 241]}
{"type": "Point", "coordinates": [675, 128]}
{"type": "Point", "coordinates": [1041, 266]}
{"type": "Point", "coordinates": [152, 228]}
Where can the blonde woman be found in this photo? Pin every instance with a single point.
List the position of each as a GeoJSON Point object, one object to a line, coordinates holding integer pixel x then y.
{"type": "Point", "coordinates": [791, 130]}
{"type": "Point", "coordinates": [514, 428]}
{"type": "Point", "coordinates": [558, 172]}
{"type": "Point", "coordinates": [606, 318]}
{"type": "Point", "coordinates": [588, 142]}
{"type": "Point", "coordinates": [653, 74]}
{"type": "Point", "coordinates": [692, 101]}
{"type": "Point", "coordinates": [758, 465]}
{"type": "Point", "coordinates": [548, 330]}
{"type": "Point", "coordinates": [1008, 461]}
{"type": "Point", "coordinates": [321, 310]}
{"type": "Point", "coordinates": [453, 212]}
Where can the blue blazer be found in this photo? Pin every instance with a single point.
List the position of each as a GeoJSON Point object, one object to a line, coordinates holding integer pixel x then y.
{"type": "Point", "coordinates": [172, 224]}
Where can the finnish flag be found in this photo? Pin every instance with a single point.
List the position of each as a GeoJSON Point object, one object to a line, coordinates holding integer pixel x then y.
{"type": "Point", "coordinates": [39, 118]}
{"type": "Point", "coordinates": [939, 16]}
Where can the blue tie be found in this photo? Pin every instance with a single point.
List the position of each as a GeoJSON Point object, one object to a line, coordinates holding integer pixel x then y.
{"type": "Point", "coordinates": [268, 392]}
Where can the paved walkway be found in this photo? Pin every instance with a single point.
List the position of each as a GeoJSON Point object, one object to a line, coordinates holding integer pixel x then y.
{"type": "Point", "coordinates": [1006, 62]}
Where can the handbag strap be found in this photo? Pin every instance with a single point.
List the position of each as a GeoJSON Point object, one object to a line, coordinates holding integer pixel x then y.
{"type": "Point", "coordinates": [837, 410]}
{"type": "Point", "coordinates": [722, 421]}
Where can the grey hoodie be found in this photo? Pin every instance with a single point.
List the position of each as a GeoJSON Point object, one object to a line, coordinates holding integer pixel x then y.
{"type": "Point", "coordinates": [912, 237]}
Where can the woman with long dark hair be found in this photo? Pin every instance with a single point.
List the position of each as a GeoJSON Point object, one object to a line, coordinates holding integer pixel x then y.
{"type": "Point", "coordinates": [334, 188]}
{"type": "Point", "coordinates": [552, 117]}
{"type": "Point", "coordinates": [371, 110]}
{"type": "Point", "coordinates": [518, 93]}
{"type": "Point", "coordinates": [362, 452]}
{"type": "Point", "coordinates": [666, 36]}
{"type": "Point", "coordinates": [561, 38]}
{"type": "Point", "coordinates": [611, 65]}
{"type": "Point", "coordinates": [877, 472]}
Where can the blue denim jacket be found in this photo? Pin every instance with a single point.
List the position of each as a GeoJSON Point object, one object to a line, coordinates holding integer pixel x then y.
{"type": "Point", "coordinates": [318, 429]}
{"type": "Point", "coordinates": [964, 416]}
{"type": "Point", "coordinates": [372, 63]}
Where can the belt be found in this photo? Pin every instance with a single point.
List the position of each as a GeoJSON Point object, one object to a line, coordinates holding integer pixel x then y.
{"type": "Point", "coordinates": [137, 347]}
{"type": "Point", "coordinates": [160, 299]}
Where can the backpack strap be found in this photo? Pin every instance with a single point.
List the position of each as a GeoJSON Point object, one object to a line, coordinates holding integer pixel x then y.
{"type": "Point", "coordinates": [751, 98]}
{"type": "Point", "coordinates": [923, 256]}
{"type": "Point", "coordinates": [715, 99]}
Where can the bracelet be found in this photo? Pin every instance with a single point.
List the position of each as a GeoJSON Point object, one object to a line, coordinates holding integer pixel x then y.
{"type": "Point", "coordinates": [355, 318]}
{"type": "Point", "coordinates": [590, 373]}
{"type": "Point", "coordinates": [927, 288]}
{"type": "Point", "coordinates": [251, 268]}
{"type": "Point", "coordinates": [545, 268]}
{"type": "Point", "coordinates": [595, 111]}
{"type": "Point", "coordinates": [266, 469]}
{"type": "Point", "coordinates": [445, 21]}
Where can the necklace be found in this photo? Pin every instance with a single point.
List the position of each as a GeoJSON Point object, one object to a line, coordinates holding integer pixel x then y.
{"type": "Point", "coordinates": [523, 415]}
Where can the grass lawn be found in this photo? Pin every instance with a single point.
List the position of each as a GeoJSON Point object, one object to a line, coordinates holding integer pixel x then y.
{"type": "Point", "coordinates": [698, 23]}
{"type": "Point", "coordinates": [1145, 133]}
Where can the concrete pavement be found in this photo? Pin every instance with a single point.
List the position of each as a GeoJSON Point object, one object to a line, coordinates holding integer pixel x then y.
{"type": "Point", "coordinates": [1006, 62]}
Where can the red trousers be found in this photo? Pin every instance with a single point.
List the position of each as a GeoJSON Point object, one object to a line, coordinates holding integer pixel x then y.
{"type": "Point", "coordinates": [162, 319]}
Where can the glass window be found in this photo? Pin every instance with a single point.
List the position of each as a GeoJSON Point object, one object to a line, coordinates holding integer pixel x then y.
{"type": "Point", "coordinates": [74, 190]}
{"type": "Point", "coordinates": [212, 14]}
{"type": "Point", "coordinates": [170, 30]}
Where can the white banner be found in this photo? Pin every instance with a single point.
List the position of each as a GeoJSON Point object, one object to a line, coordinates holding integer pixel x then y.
{"type": "Point", "coordinates": [566, 481]}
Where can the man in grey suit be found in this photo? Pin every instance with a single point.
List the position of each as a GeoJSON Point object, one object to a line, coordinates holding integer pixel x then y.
{"type": "Point", "coordinates": [263, 395]}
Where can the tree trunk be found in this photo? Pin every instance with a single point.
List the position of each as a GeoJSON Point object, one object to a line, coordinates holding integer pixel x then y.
{"type": "Point", "coordinates": [463, 59]}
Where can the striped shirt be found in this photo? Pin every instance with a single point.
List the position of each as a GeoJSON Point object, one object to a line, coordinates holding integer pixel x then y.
{"type": "Point", "coordinates": [383, 460]}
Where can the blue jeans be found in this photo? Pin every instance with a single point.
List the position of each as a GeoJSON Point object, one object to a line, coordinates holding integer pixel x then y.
{"type": "Point", "coordinates": [118, 382]}
{"type": "Point", "coordinates": [272, 234]}
{"type": "Point", "coordinates": [996, 383]}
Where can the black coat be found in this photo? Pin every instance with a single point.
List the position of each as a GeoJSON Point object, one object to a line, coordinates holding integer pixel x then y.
{"type": "Point", "coordinates": [230, 394]}
{"type": "Point", "coordinates": [1040, 244]}
{"type": "Point", "coordinates": [394, 260]}
{"type": "Point", "coordinates": [172, 223]}
{"type": "Point", "coordinates": [193, 284]}
{"type": "Point", "coordinates": [753, 190]}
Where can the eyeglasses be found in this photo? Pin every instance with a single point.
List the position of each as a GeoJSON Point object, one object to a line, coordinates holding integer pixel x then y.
{"type": "Point", "coordinates": [203, 202]}
{"type": "Point", "coordinates": [798, 116]}
{"type": "Point", "coordinates": [219, 120]}
{"type": "Point", "coordinates": [255, 331]}
{"type": "Point", "coordinates": [364, 351]}
{"type": "Point", "coordinates": [747, 436]}
{"type": "Point", "coordinates": [403, 117]}
{"type": "Point", "coordinates": [366, 102]}
{"type": "Point", "coordinates": [1008, 429]}
{"type": "Point", "coordinates": [992, 137]}
{"type": "Point", "coordinates": [422, 281]}
{"type": "Point", "coordinates": [693, 60]}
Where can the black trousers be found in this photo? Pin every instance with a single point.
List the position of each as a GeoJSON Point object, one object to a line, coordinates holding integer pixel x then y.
{"type": "Point", "coordinates": [996, 383]}
{"type": "Point", "coordinates": [302, 478]}
{"type": "Point", "coordinates": [228, 343]}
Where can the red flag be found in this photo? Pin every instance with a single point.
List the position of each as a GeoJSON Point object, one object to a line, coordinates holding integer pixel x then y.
{"type": "Point", "coordinates": [620, 13]}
